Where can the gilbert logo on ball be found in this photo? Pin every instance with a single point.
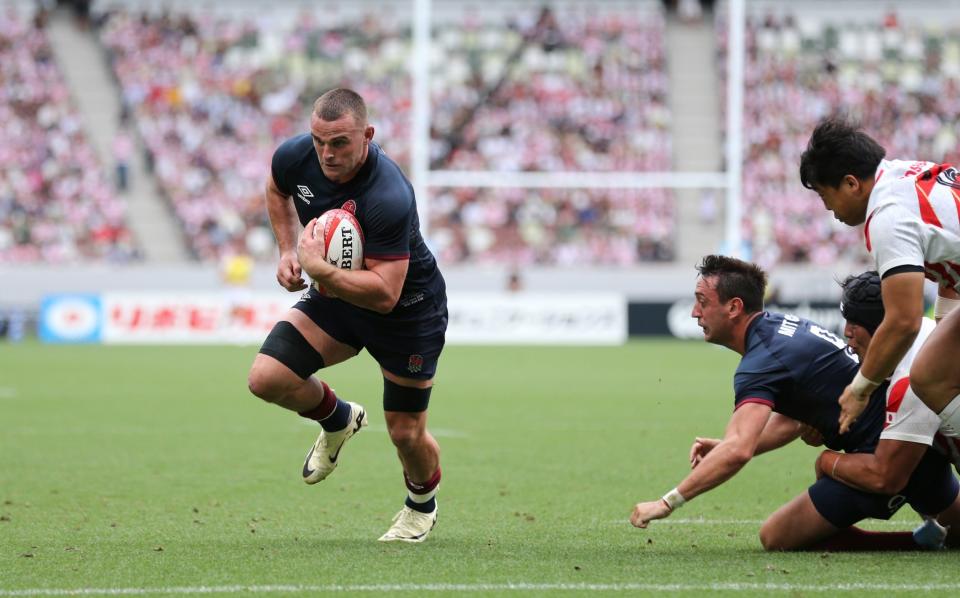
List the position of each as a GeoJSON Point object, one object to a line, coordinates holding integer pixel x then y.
{"type": "Point", "coordinates": [342, 239]}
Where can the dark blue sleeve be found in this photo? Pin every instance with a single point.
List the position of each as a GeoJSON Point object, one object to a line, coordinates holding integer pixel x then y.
{"type": "Point", "coordinates": [761, 383]}
{"type": "Point", "coordinates": [388, 223]}
{"type": "Point", "coordinates": [282, 159]}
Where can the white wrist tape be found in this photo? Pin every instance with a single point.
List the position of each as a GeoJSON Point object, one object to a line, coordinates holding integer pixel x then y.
{"type": "Point", "coordinates": [944, 305]}
{"type": "Point", "coordinates": [674, 499]}
{"type": "Point", "coordinates": [862, 386]}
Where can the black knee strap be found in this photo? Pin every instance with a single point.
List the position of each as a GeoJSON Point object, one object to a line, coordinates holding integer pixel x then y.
{"type": "Point", "coordinates": [287, 345]}
{"type": "Point", "coordinates": [405, 398]}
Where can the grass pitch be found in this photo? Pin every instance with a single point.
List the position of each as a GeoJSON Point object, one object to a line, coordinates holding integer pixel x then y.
{"type": "Point", "coordinates": [152, 471]}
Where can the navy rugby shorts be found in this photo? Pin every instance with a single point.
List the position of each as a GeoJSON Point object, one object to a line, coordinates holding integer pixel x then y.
{"type": "Point", "coordinates": [931, 489]}
{"type": "Point", "coordinates": [406, 342]}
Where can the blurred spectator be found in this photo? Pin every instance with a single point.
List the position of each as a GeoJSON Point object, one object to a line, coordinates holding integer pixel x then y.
{"type": "Point", "coordinates": [514, 281]}
{"type": "Point", "coordinates": [56, 204]}
{"type": "Point", "coordinates": [122, 154]}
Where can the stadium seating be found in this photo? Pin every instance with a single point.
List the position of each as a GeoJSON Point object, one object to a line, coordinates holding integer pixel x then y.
{"type": "Point", "coordinates": [898, 78]}
{"type": "Point", "coordinates": [568, 90]}
{"type": "Point", "coordinates": [56, 202]}
{"type": "Point", "coordinates": [213, 94]}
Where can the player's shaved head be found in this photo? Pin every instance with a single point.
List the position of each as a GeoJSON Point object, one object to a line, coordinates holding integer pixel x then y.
{"type": "Point", "coordinates": [736, 278]}
{"type": "Point", "coordinates": [335, 103]}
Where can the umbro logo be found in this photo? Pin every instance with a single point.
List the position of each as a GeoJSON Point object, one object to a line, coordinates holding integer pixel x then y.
{"type": "Point", "coordinates": [304, 193]}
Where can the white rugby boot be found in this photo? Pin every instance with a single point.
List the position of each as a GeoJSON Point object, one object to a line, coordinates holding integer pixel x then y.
{"type": "Point", "coordinates": [324, 455]}
{"type": "Point", "coordinates": [410, 526]}
{"type": "Point", "coordinates": [930, 535]}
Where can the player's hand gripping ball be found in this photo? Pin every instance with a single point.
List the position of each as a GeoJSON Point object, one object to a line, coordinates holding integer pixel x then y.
{"type": "Point", "coordinates": [342, 241]}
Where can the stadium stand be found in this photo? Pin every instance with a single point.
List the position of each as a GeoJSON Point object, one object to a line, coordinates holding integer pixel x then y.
{"type": "Point", "coordinates": [577, 89]}
{"type": "Point", "coordinates": [56, 202]}
{"type": "Point", "coordinates": [897, 76]}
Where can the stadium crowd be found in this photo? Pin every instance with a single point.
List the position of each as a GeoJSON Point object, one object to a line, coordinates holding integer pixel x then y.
{"type": "Point", "coordinates": [555, 91]}
{"type": "Point", "coordinates": [56, 202]}
{"type": "Point", "coordinates": [899, 79]}
{"type": "Point", "coordinates": [213, 95]}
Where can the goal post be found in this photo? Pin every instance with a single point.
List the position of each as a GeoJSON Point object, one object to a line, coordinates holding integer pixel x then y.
{"type": "Point", "coordinates": [425, 179]}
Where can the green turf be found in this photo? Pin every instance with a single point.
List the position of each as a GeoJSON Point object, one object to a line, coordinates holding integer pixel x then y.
{"type": "Point", "coordinates": [135, 467]}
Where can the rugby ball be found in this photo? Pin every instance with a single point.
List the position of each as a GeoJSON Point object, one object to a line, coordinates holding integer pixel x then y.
{"type": "Point", "coordinates": [342, 239]}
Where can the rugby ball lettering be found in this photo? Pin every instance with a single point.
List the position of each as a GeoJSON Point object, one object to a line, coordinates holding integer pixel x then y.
{"type": "Point", "coordinates": [342, 239]}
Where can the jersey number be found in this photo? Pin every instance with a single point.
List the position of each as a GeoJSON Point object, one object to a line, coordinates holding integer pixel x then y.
{"type": "Point", "coordinates": [833, 339]}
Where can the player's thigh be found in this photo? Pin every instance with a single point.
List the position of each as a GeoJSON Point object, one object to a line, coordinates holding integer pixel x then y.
{"type": "Point", "coordinates": [934, 370]}
{"type": "Point", "coordinates": [295, 349]}
{"type": "Point", "coordinates": [408, 344]}
{"type": "Point", "coordinates": [795, 525]}
{"type": "Point", "coordinates": [932, 487]}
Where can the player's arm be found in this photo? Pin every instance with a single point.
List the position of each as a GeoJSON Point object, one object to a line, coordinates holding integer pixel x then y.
{"type": "Point", "coordinates": [903, 309]}
{"type": "Point", "coordinates": [285, 224]}
{"type": "Point", "coordinates": [723, 462]}
{"type": "Point", "coordinates": [377, 287]}
{"type": "Point", "coordinates": [779, 431]}
{"type": "Point", "coordinates": [886, 471]}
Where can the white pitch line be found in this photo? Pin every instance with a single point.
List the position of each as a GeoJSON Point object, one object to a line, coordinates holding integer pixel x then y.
{"type": "Point", "coordinates": [489, 587]}
{"type": "Point", "coordinates": [7, 392]}
{"type": "Point", "coordinates": [872, 522]}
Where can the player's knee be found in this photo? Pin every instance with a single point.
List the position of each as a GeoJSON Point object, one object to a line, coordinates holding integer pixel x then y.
{"type": "Point", "coordinates": [263, 383]}
{"type": "Point", "coordinates": [406, 437]}
{"type": "Point", "coordinates": [771, 539]}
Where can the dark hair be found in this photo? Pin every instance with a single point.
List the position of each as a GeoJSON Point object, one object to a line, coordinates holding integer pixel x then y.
{"type": "Point", "coordinates": [838, 148]}
{"type": "Point", "coordinates": [862, 303]}
{"type": "Point", "coordinates": [736, 278]}
{"type": "Point", "coordinates": [337, 102]}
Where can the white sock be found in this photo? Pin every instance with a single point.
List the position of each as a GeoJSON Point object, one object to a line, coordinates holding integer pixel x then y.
{"type": "Point", "coordinates": [422, 498]}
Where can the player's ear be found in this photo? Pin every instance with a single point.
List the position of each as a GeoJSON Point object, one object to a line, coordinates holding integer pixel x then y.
{"type": "Point", "coordinates": [368, 134]}
{"type": "Point", "coordinates": [735, 307]}
{"type": "Point", "coordinates": [851, 182]}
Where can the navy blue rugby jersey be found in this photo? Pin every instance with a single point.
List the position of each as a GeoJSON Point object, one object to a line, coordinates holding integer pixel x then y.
{"type": "Point", "coordinates": [379, 195]}
{"type": "Point", "coordinates": [800, 369]}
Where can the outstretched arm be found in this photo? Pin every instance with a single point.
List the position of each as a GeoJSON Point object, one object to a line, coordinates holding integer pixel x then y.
{"type": "Point", "coordinates": [723, 462]}
{"type": "Point", "coordinates": [779, 431]}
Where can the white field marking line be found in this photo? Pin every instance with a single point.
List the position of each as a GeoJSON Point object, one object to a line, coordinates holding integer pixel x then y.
{"type": "Point", "coordinates": [7, 392]}
{"type": "Point", "coordinates": [488, 587]}
{"type": "Point", "coordinates": [872, 522]}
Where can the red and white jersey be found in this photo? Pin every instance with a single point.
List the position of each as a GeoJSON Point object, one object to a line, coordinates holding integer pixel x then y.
{"type": "Point", "coordinates": [913, 219]}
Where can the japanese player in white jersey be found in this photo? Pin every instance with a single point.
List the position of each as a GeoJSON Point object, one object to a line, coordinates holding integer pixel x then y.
{"type": "Point", "coordinates": [909, 209]}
